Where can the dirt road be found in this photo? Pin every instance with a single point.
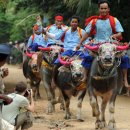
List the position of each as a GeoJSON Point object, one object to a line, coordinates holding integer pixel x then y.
{"type": "Point", "coordinates": [56, 120]}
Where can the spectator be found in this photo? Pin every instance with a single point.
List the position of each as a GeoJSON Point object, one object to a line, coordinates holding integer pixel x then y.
{"type": "Point", "coordinates": [18, 113]}
{"type": "Point", "coordinates": [4, 52]}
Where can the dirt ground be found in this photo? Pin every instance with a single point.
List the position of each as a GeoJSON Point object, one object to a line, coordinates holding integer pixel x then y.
{"type": "Point", "coordinates": [56, 121]}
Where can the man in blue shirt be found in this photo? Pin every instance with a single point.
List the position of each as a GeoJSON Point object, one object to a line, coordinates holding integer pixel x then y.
{"type": "Point", "coordinates": [104, 31]}
{"type": "Point", "coordinates": [54, 31]}
{"type": "Point", "coordinates": [70, 39]}
{"type": "Point", "coordinates": [37, 39]}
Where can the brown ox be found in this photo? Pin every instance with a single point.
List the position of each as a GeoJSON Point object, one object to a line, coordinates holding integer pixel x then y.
{"type": "Point", "coordinates": [69, 82]}
{"type": "Point", "coordinates": [31, 71]}
{"type": "Point", "coordinates": [50, 54]}
{"type": "Point", "coordinates": [104, 81]}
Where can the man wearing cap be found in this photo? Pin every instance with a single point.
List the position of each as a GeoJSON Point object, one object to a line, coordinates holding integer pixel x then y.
{"type": "Point", "coordinates": [4, 52]}
{"type": "Point", "coordinates": [19, 112]}
{"type": "Point", "coordinates": [55, 31]}
{"type": "Point", "coordinates": [37, 39]}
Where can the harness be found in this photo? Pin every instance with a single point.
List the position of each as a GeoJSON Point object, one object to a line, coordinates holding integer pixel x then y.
{"type": "Point", "coordinates": [104, 73]}
{"type": "Point", "coordinates": [79, 33]}
{"type": "Point", "coordinates": [82, 86]}
{"type": "Point", "coordinates": [33, 36]}
{"type": "Point", "coordinates": [46, 65]}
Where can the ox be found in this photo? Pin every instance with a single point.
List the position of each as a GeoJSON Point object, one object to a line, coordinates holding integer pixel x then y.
{"type": "Point", "coordinates": [105, 81]}
{"type": "Point", "coordinates": [50, 54]}
{"type": "Point", "coordinates": [69, 82]}
{"type": "Point", "coordinates": [31, 71]}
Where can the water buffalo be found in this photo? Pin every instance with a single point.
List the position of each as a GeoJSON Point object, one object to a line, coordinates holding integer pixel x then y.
{"type": "Point", "coordinates": [50, 54]}
{"type": "Point", "coordinates": [69, 82]}
{"type": "Point", "coordinates": [31, 71]}
{"type": "Point", "coordinates": [105, 81]}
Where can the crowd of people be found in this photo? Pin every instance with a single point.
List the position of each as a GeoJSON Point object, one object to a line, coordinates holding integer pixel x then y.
{"type": "Point", "coordinates": [98, 29]}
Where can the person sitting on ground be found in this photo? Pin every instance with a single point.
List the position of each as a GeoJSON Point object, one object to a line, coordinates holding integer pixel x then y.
{"type": "Point", "coordinates": [18, 113]}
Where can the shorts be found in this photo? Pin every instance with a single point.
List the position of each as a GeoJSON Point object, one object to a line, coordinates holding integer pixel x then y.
{"type": "Point", "coordinates": [87, 62]}
{"type": "Point", "coordinates": [24, 120]}
{"type": "Point", "coordinates": [125, 62]}
{"type": "Point", "coordinates": [4, 125]}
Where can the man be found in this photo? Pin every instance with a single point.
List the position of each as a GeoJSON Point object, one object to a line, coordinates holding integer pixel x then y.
{"type": "Point", "coordinates": [55, 31]}
{"type": "Point", "coordinates": [37, 39]}
{"type": "Point", "coordinates": [104, 29]}
{"type": "Point", "coordinates": [18, 113]}
{"type": "Point", "coordinates": [4, 52]}
{"type": "Point", "coordinates": [70, 38]}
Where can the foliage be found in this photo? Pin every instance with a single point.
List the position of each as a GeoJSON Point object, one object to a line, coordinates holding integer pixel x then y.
{"type": "Point", "coordinates": [22, 26]}
{"type": "Point", "coordinates": [4, 27]}
{"type": "Point", "coordinates": [18, 16]}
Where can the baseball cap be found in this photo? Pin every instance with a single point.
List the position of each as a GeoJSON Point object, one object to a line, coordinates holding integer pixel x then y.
{"type": "Point", "coordinates": [5, 49]}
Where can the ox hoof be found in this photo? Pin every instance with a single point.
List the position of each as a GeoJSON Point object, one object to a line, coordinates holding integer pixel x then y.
{"type": "Point", "coordinates": [67, 117]}
{"type": "Point", "coordinates": [35, 99]}
{"type": "Point", "coordinates": [99, 125]}
{"type": "Point", "coordinates": [38, 97]}
{"type": "Point", "coordinates": [96, 113]}
{"type": "Point", "coordinates": [112, 125]}
{"type": "Point", "coordinates": [80, 120]}
{"type": "Point", "coordinates": [62, 107]}
{"type": "Point", "coordinates": [51, 109]}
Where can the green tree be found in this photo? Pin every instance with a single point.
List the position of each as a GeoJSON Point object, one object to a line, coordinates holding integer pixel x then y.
{"type": "Point", "coordinates": [82, 8]}
{"type": "Point", "coordinates": [4, 27]}
{"type": "Point", "coordinates": [17, 17]}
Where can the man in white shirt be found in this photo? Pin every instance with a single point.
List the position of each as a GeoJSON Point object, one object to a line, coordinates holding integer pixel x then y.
{"type": "Point", "coordinates": [18, 113]}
